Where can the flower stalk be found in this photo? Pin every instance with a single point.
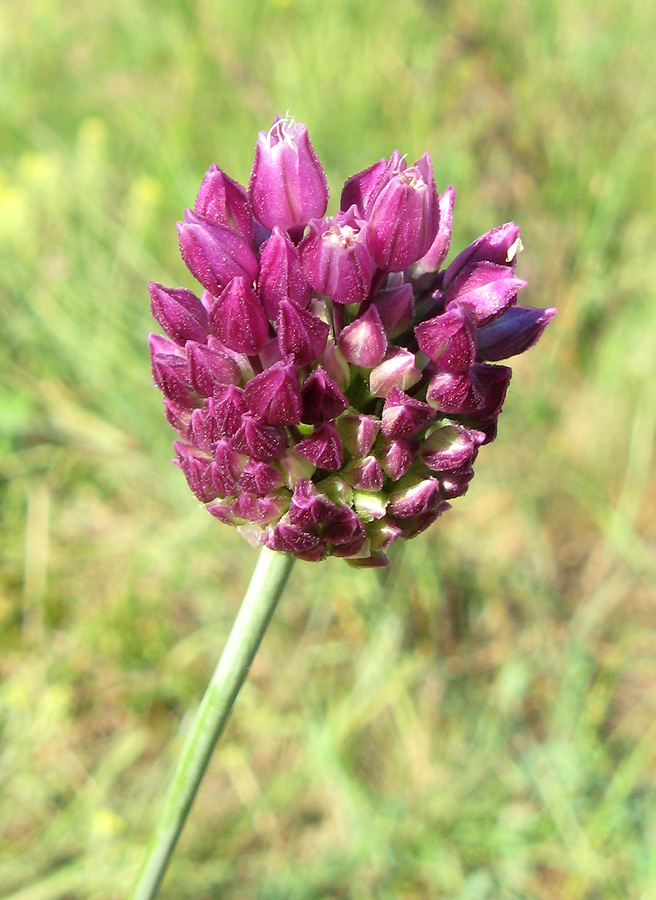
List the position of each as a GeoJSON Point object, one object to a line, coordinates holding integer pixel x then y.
{"type": "Point", "coordinates": [264, 590]}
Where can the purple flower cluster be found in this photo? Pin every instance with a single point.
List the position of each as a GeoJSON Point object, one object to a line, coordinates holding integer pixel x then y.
{"type": "Point", "coordinates": [332, 385]}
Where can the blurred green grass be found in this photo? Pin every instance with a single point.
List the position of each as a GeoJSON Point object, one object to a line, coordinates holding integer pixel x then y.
{"type": "Point", "coordinates": [481, 726]}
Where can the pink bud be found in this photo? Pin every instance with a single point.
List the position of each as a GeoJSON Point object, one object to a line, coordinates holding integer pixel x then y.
{"type": "Point", "coordinates": [450, 447]}
{"type": "Point", "coordinates": [449, 339]}
{"type": "Point", "coordinates": [479, 393]}
{"type": "Point", "coordinates": [418, 499]}
{"type": "Point", "coordinates": [274, 395]}
{"type": "Point", "coordinates": [437, 252]}
{"type": "Point", "coordinates": [397, 370]}
{"type": "Point", "coordinates": [214, 254]}
{"type": "Point", "coordinates": [519, 328]}
{"type": "Point", "coordinates": [287, 186]}
{"type": "Point", "coordinates": [499, 246]}
{"type": "Point", "coordinates": [323, 447]}
{"type": "Point", "coordinates": [396, 456]}
{"type": "Point", "coordinates": [336, 259]}
{"type": "Point", "coordinates": [486, 289]}
{"type": "Point", "coordinates": [404, 416]}
{"type": "Point", "coordinates": [364, 342]}
{"type": "Point", "coordinates": [365, 474]}
{"type": "Point", "coordinates": [210, 369]}
{"type": "Point", "coordinates": [229, 407]}
{"type": "Point", "coordinates": [223, 201]}
{"type": "Point", "coordinates": [179, 312]}
{"type": "Point", "coordinates": [260, 441]}
{"type": "Point", "coordinates": [281, 275]}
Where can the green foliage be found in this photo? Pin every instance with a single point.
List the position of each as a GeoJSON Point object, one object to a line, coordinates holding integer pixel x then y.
{"type": "Point", "coordinates": [479, 726]}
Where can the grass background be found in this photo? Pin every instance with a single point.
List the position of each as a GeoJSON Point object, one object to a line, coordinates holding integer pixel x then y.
{"type": "Point", "coordinates": [482, 725]}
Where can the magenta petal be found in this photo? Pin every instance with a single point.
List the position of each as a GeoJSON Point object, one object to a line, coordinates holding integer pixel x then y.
{"type": "Point", "coordinates": [499, 246]}
{"type": "Point", "coordinates": [336, 259]}
{"type": "Point", "coordinates": [214, 254]}
{"type": "Point", "coordinates": [322, 448]}
{"type": "Point", "coordinates": [419, 499]}
{"type": "Point", "coordinates": [229, 407]}
{"type": "Point", "coordinates": [486, 289]}
{"type": "Point", "coordinates": [437, 252]}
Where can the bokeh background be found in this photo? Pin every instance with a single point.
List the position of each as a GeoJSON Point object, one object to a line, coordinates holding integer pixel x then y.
{"type": "Point", "coordinates": [481, 723]}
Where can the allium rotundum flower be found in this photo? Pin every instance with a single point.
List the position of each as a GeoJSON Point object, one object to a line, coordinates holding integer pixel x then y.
{"type": "Point", "coordinates": [332, 384]}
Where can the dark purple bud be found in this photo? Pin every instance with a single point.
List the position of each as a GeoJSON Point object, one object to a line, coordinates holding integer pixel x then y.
{"type": "Point", "coordinates": [274, 395]}
{"type": "Point", "coordinates": [171, 371]}
{"type": "Point", "coordinates": [323, 447]}
{"type": "Point", "coordinates": [227, 468]}
{"type": "Point", "coordinates": [404, 219]}
{"type": "Point", "coordinates": [260, 478]}
{"type": "Point", "coordinates": [437, 252]}
{"type": "Point", "coordinates": [223, 201]}
{"type": "Point", "coordinates": [365, 474]}
{"type": "Point", "coordinates": [238, 319]}
{"type": "Point", "coordinates": [454, 484]}
{"type": "Point", "coordinates": [499, 246]}
{"type": "Point", "coordinates": [257, 509]}
{"type": "Point", "coordinates": [179, 312]}
{"type": "Point", "coordinates": [519, 328]}
{"type": "Point", "coordinates": [396, 308]}
{"type": "Point", "coordinates": [336, 259]}
{"type": "Point", "coordinates": [309, 506]}
{"type": "Point", "coordinates": [358, 434]}
{"type": "Point", "coordinates": [404, 416]}
{"type": "Point", "coordinates": [364, 342]}
{"type": "Point", "coordinates": [449, 339]}
{"type": "Point", "coordinates": [397, 370]}
{"type": "Point", "coordinates": [322, 399]}
{"type": "Point", "coordinates": [197, 469]}
{"type": "Point", "coordinates": [301, 335]}
{"type": "Point", "coordinates": [362, 190]}
{"type": "Point", "coordinates": [417, 500]}
{"type": "Point", "coordinates": [229, 407]}
{"type": "Point", "coordinates": [414, 525]}
{"type": "Point", "coordinates": [211, 369]}
{"type": "Point", "coordinates": [449, 447]}
{"type": "Point", "coordinates": [345, 532]}
{"type": "Point", "coordinates": [260, 441]}
{"type": "Point", "coordinates": [294, 539]}
{"type": "Point", "coordinates": [281, 275]}
{"type": "Point", "coordinates": [486, 289]}
{"type": "Point", "coordinates": [214, 254]}
{"type": "Point", "coordinates": [396, 457]}
{"type": "Point", "coordinates": [478, 394]}
{"type": "Point", "coordinates": [287, 186]}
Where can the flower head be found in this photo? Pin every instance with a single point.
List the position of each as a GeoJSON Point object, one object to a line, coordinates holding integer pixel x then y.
{"type": "Point", "coordinates": [332, 385]}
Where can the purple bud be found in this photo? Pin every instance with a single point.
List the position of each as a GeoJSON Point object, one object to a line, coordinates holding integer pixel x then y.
{"type": "Point", "coordinates": [397, 370]}
{"type": "Point", "coordinates": [365, 474]}
{"type": "Point", "coordinates": [287, 185]}
{"type": "Point", "coordinates": [414, 525]}
{"type": "Point", "coordinates": [178, 417]}
{"type": "Point", "coordinates": [260, 478]}
{"type": "Point", "coordinates": [171, 371]}
{"type": "Point", "coordinates": [210, 369]}
{"type": "Point", "coordinates": [274, 395]}
{"type": "Point", "coordinates": [301, 335]}
{"type": "Point", "coordinates": [404, 416]}
{"type": "Point", "coordinates": [179, 312]}
{"type": "Point", "coordinates": [223, 201]}
{"type": "Point", "coordinates": [197, 469]}
{"type": "Point", "coordinates": [214, 254]}
{"type": "Point", "coordinates": [362, 190]}
{"type": "Point", "coordinates": [486, 289]}
{"type": "Point", "coordinates": [309, 506]}
{"type": "Point", "coordinates": [322, 398]}
{"type": "Point", "coordinates": [519, 328]}
{"type": "Point", "coordinates": [396, 457]}
{"type": "Point", "coordinates": [345, 533]}
{"type": "Point", "coordinates": [364, 342]}
{"type": "Point", "coordinates": [449, 339]}
{"type": "Point", "coordinates": [294, 539]}
{"type": "Point", "coordinates": [479, 393]}
{"type": "Point", "coordinates": [238, 319]}
{"type": "Point", "coordinates": [499, 246]}
{"type": "Point", "coordinates": [450, 447]}
{"type": "Point", "coordinates": [281, 275]}
{"type": "Point", "coordinates": [438, 250]}
{"type": "Point", "coordinates": [229, 407]}
{"type": "Point", "coordinates": [227, 468]}
{"type": "Point", "coordinates": [454, 484]}
{"type": "Point", "coordinates": [336, 259]}
{"type": "Point", "coordinates": [269, 354]}
{"type": "Point", "coordinates": [260, 441]}
{"type": "Point", "coordinates": [204, 428]}
{"type": "Point", "coordinates": [404, 219]}
{"type": "Point", "coordinates": [257, 509]}
{"type": "Point", "coordinates": [396, 308]}
{"type": "Point", "coordinates": [358, 433]}
{"type": "Point", "coordinates": [323, 447]}
{"type": "Point", "coordinates": [418, 499]}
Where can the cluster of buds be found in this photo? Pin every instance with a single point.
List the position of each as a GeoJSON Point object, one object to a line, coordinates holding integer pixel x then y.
{"type": "Point", "coordinates": [332, 385]}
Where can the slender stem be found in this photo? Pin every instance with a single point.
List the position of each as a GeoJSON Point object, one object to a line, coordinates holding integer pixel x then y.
{"type": "Point", "coordinates": [262, 595]}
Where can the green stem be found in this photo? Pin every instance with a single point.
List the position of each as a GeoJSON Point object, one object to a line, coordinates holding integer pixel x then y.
{"type": "Point", "coordinates": [262, 595]}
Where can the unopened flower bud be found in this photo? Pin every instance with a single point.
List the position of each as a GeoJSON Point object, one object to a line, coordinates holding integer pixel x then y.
{"type": "Point", "coordinates": [323, 447]}
{"type": "Point", "coordinates": [416, 499]}
{"type": "Point", "coordinates": [500, 246]}
{"type": "Point", "coordinates": [396, 308]}
{"type": "Point", "coordinates": [281, 275]}
{"type": "Point", "coordinates": [180, 313]}
{"type": "Point", "coordinates": [322, 398]}
{"type": "Point", "coordinates": [486, 289]}
{"type": "Point", "coordinates": [479, 393]}
{"type": "Point", "coordinates": [238, 318]}
{"type": "Point", "coordinates": [358, 433]}
{"type": "Point", "coordinates": [519, 328]}
{"type": "Point", "coordinates": [437, 252]}
{"type": "Point", "coordinates": [287, 186]}
{"type": "Point", "coordinates": [449, 339]}
{"type": "Point", "coordinates": [403, 416]}
{"type": "Point", "coordinates": [214, 254]}
{"type": "Point", "coordinates": [397, 370]}
{"type": "Point", "coordinates": [223, 201]}
{"type": "Point", "coordinates": [274, 395]}
{"type": "Point", "coordinates": [302, 336]}
{"type": "Point", "coordinates": [336, 259]}
{"type": "Point", "coordinates": [364, 342]}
